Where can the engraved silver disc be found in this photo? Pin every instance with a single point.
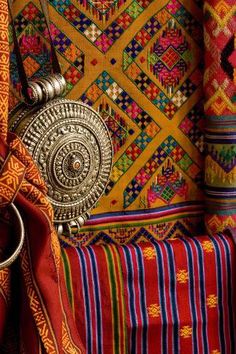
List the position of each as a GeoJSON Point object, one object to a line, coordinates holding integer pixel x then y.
{"type": "Point", "coordinates": [71, 145]}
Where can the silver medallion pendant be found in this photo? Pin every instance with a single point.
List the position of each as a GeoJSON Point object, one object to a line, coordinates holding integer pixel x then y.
{"type": "Point", "coordinates": [72, 147]}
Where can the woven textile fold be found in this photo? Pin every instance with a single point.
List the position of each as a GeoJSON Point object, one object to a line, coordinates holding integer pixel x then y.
{"type": "Point", "coordinates": [35, 316]}
{"type": "Point", "coordinates": [220, 110]}
{"type": "Point", "coordinates": [164, 297]}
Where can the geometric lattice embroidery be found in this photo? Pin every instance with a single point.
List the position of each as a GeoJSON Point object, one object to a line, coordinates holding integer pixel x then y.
{"type": "Point", "coordinates": [105, 84]}
{"type": "Point", "coordinates": [169, 148]}
{"type": "Point", "coordinates": [117, 126]}
{"type": "Point", "coordinates": [102, 38]}
{"type": "Point", "coordinates": [223, 155]}
{"type": "Point", "coordinates": [147, 112]}
{"type": "Point", "coordinates": [212, 301]}
{"type": "Point", "coordinates": [169, 56]}
{"type": "Point", "coordinates": [34, 42]}
{"type": "Point", "coordinates": [167, 184]}
{"type": "Point", "coordinates": [193, 126]}
{"type": "Point", "coordinates": [102, 8]}
{"type": "Point", "coordinates": [36, 56]}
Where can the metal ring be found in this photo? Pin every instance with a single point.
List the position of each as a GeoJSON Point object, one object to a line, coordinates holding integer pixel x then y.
{"type": "Point", "coordinates": [72, 228]}
{"type": "Point", "coordinates": [47, 88]}
{"type": "Point", "coordinates": [16, 253]}
{"type": "Point", "coordinates": [37, 92]}
{"type": "Point", "coordinates": [55, 84]}
{"type": "Point", "coordinates": [62, 82]}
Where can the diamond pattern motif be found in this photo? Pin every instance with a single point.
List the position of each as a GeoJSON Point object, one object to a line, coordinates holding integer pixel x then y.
{"type": "Point", "coordinates": [138, 63]}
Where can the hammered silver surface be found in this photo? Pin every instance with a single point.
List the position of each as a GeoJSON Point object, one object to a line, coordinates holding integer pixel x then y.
{"type": "Point", "coordinates": [71, 145]}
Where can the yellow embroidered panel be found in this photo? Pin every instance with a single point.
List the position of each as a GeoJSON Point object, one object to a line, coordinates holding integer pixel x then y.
{"type": "Point", "coordinates": [139, 62]}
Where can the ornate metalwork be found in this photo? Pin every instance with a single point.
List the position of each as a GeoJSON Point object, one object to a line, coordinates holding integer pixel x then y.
{"type": "Point", "coordinates": [18, 222]}
{"type": "Point", "coordinates": [72, 147]}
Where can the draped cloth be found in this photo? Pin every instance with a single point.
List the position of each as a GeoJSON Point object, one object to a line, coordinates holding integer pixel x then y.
{"type": "Point", "coordinates": [220, 111]}
{"type": "Point", "coordinates": [112, 61]}
{"type": "Point", "coordinates": [166, 297]}
{"type": "Point", "coordinates": [35, 313]}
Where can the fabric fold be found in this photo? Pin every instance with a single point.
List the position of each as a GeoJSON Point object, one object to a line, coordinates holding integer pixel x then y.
{"type": "Point", "coordinates": [35, 312]}
{"type": "Point", "coordinates": [220, 110]}
{"type": "Point", "coordinates": [172, 296]}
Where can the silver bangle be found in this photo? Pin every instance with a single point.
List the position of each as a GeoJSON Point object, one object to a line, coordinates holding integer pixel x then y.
{"type": "Point", "coordinates": [18, 249]}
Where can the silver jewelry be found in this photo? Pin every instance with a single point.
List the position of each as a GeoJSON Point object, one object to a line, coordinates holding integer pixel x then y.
{"type": "Point", "coordinates": [48, 90]}
{"type": "Point", "coordinates": [18, 249]}
{"type": "Point", "coordinates": [72, 147]}
{"type": "Point", "coordinates": [61, 80]}
{"type": "Point", "coordinates": [73, 227]}
{"type": "Point", "coordinates": [37, 94]}
{"type": "Point", "coordinates": [55, 84]}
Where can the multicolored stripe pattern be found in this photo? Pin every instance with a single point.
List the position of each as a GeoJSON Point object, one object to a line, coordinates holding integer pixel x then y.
{"type": "Point", "coordinates": [220, 111]}
{"type": "Point", "coordinates": [134, 226]}
{"type": "Point", "coordinates": [139, 64]}
{"type": "Point", "coordinates": [167, 297]}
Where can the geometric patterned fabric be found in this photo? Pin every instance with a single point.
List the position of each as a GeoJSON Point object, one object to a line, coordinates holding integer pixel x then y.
{"type": "Point", "coordinates": [220, 109]}
{"type": "Point", "coordinates": [139, 62]}
{"type": "Point", "coordinates": [26, 318]}
{"type": "Point", "coordinates": [168, 297]}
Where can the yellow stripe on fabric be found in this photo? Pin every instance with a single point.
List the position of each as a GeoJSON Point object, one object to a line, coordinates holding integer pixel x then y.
{"type": "Point", "coordinates": [68, 278]}
{"type": "Point", "coordinates": [113, 284]}
{"type": "Point", "coordinates": [122, 299]}
{"type": "Point", "coordinates": [103, 226]}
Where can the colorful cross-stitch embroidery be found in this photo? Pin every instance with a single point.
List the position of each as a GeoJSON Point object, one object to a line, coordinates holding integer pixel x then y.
{"type": "Point", "coordinates": [138, 63]}
{"type": "Point", "coordinates": [220, 108]}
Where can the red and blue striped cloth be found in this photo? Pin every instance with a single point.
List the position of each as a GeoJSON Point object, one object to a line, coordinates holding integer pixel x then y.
{"type": "Point", "coordinates": [167, 297]}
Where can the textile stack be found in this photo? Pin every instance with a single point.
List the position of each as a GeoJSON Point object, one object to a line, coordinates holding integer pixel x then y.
{"type": "Point", "coordinates": [153, 270]}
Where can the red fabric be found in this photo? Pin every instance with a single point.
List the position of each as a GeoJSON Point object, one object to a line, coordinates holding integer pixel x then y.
{"type": "Point", "coordinates": [166, 297]}
{"type": "Point", "coordinates": [35, 316]}
{"type": "Point", "coordinates": [44, 305]}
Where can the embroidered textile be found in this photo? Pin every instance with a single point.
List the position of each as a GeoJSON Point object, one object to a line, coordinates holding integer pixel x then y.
{"type": "Point", "coordinates": [220, 109]}
{"type": "Point", "coordinates": [35, 316]}
{"type": "Point", "coordinates": [139, 62]}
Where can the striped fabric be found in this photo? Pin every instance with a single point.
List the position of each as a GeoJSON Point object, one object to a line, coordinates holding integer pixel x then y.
{"type": "Point", "coordinates": [173, 296]}
{"type": "Point", "coordinates": [220, 112]}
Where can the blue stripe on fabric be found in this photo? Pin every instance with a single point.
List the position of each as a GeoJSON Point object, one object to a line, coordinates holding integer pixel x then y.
{"type": "Point", "coordinates": [87, 303]}
{"type": "Point", "coordinates": [221, 189]}
{"type": "Point", "coordinates": [221, 118]}
{"type": "Point", "coordinates": [142, 299]}
{"type": "Point", "coordinates": [221, 141]}
{"type": "Point", "coordinates": [146, 211]}
{"type": "Point", "coordinates": [161, 285]}
{"type": "Point", "coordinates": [220, 295]}
{"type": "Point", "coordinates": [219, 133]}
{"type": "Point", "coordinates": [229, 194]}
{"type": "Point", "coordinates": [174, 306]}
{"type": "Point", "coordinates": [230, 291]}
{"type": "Point", "coordinates": [97, 293]}
{"type": "Point", "coordinates": [131, 298]}
{"type": "Point", "coordinates": [202, 294]}
{"type": "Point", "coordinates": [192, 297]}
